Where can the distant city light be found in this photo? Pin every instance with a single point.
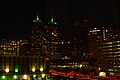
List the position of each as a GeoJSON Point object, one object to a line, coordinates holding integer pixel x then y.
{"type": "Point", "coordinates": [81, 65]}
{"type": "Point", "coordinates": [95, 28]}
{"type": "Point", "coordinates": [99, 68]}
{"type": "Point", "coordinates": [103, 74]}
{"type": "Point", "coordinates": [46, 59]}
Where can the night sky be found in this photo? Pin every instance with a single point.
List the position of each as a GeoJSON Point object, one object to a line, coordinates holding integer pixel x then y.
{"type": "Point", "coordinates": [16, 15]}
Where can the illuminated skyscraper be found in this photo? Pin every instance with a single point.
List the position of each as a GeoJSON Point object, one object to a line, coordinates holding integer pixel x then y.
{"type": "Point", "coordinates": [94, 37]}
{"type": "Point", "coordinates": [38, 43]}
{"type": "Point", "coordinates": [108, 53]}
{"type": "Point", "coordinates": [38, 37]}
{"type": "Point", "coordinates": [105, 47]}
{"type": "Point", "coordinates": [52, 37]}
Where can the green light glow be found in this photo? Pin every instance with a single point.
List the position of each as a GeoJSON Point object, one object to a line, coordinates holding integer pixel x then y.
{"type": "Point", "coordinates": [16, 70]}
{"type": "Point", "coordinates": [52, 21]}
{"type": "Point", "coordinates": [37, 19]}
{"type": "Point", "coordinates": [3, 77]}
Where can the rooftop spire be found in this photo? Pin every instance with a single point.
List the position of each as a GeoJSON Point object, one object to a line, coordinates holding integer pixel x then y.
{"type": "Point", "coordinates": [37, 19]}
{"type": "Point", "coordinates": [52, 21]}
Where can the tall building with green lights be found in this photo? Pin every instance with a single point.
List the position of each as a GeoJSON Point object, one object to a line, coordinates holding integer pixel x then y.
{"type": "Point", "coordinates": [52, 37]}
{"type": "Point", "coordinates": [38, 37]}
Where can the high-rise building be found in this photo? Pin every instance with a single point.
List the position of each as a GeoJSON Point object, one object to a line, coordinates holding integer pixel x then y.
{"type": "Point", "coordinates": [52, 38]}
{"type": "Point", "coordinates": [80, 38]}
{"type": "Point", "coordinates": [104, 46]}
{"type": "Point", "coordinates": [94, 37]}
{"type": "Point", "coordinates": [38, 37]}
{"type": "Point", "coordinates": [109, 49]}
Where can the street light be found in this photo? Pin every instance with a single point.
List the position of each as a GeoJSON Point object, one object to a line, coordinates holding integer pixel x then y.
{"type": "Point", "coordinates": [7, 70]}
{"type": "Point", "coordinates": [41, 69]}
{"type": "Point", "coordinates": [43, 75]}
{"type": "Point", "coordinates": [15, 76]}
{"type": "Point", "coordinates": [34, 76]}
{"type": "Point", "coordinates": [33, 69]}
{"type": "Point", "coordinates": [3, 77]}
{"type": "Point", "coordinates": [24, 76]}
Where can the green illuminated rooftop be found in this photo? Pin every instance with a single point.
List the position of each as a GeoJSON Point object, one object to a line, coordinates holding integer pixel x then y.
{"type": "Point", "coordinates": [37, 19]}
{"type": "Point", "coordinates": [52, 21]}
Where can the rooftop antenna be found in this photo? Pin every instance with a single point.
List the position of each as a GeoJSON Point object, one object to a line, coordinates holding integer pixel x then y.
{"type": "Point", "coordinates": [37, 16]}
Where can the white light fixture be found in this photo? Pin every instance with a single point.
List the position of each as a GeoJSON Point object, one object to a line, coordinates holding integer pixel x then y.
{"type": "Point", "coordinates": [24, 76]}
{"type": "Point", "coordinates": [33, 69]}
{"type": "Point", "coordinates": [7, 70]}
{"type": "Point", "coordinates": [41, 69]}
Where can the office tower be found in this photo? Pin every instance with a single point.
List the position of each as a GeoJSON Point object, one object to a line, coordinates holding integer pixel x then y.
{"type": "Point", "coordinates": [52, 38]}
{"type": "Point", "coordinates": [109, 49]}
{"type": "Point", "coordinates": [55, 8]}
{"type": "Point", "coordinates": [38, 37]}
{"type": "Point", "coordinates": [94, 37]}
{"type": "Point", "coordinates": [104, 46]}
{"type": "Point", "coordinates": [80, 38]}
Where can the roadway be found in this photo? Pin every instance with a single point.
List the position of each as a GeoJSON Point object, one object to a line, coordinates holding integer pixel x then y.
{"type": "Point", "coordinates": [76, 76]}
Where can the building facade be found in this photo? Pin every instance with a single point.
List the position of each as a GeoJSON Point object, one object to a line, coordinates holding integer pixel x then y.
{"type": "Point", "coordinates": [38, 39]}
{"type": "Point", "coordinates": [104, 46]}
{"type": "Point", "coordinates": [9, 47]}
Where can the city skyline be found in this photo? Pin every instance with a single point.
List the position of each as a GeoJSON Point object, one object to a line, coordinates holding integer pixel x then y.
{"type": "Point", "coordinates": [16, 17]}
{"type": "Point", "coordinates": [51, 39]}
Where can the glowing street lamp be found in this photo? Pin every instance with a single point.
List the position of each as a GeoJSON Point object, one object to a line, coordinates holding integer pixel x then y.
{"type": "Point", "coordinates": [24, 76]}
{"type": "Point", "coordinates": [15, 76]}
{"type": "Point", "coordinates": [33, 69]}
{"type": "Point", "coordinates": [43, 75]}
{"type": "Point", "coordinates": [41, 69]}
{"type": "Point", "coordinates": [3, 77]}
{"type": "Point", "coordinates": [7, 70]}
{"type": "Point", "coordinates": [34, 75]}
